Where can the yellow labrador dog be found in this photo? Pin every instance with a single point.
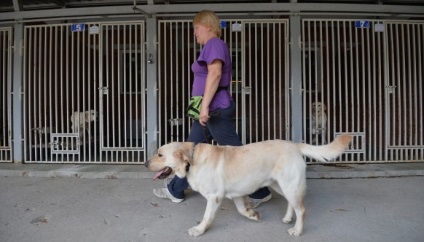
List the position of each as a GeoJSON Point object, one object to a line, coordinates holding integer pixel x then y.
{"type": "Point", "coordinates": [219, 172]}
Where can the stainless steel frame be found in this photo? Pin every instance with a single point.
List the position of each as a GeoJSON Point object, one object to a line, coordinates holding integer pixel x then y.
{"type": "Point", "coordinates": [6, 154]}
{"type": "Point", "coordinates": [260, 83]}
{"type": "Point", "coordinates": [84, 89]}
{"type": "Point", "coordinates": [369, 75]}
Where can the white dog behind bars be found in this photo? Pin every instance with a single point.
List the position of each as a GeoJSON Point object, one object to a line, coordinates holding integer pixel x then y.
{"type": "Point", "coordinates": [319, 121]}
{"type": "Point", "coordinates": [80, 122]}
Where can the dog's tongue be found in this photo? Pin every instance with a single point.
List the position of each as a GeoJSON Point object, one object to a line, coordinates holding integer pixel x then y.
{"type": "Point", "coordinates": [158, 174]}
{"type": "Point", "coordinates": [163, 173]}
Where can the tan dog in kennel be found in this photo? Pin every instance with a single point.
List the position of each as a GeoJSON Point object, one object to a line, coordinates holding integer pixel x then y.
{"type": "Point", "coordinates": [319, 121]}
{"type": "Point", "coordinates": [80, 123]}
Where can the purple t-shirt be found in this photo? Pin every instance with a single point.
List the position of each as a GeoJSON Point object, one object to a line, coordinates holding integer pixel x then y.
{"type": "Point", "coordinates": [214, 49]}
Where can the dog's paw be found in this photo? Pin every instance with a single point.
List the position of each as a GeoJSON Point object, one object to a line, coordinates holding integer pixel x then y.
{"type": "Point", "coordinates": [294, 232]}
{"type": "Point", "coordinates": [194, 231]}
{"type": "Point", "coordinates": [287, 220]}
{"type": "Point", "coordinates": [254, 215]}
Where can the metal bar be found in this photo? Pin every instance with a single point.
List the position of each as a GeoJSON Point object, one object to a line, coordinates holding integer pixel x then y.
{"type": "Point", "coordinates": [161, 30]}
{"type": "Point", "coordinates": [303, 53]}
{"type": "Point", "coordinates": [132, 92]}
{"type": "Point", "coordinates": [398, 132]}
{"type": "Point", "coordinates": [326, 98]}
{"type": "Point", "coordinates": [413, 93]}
{"type": "Point", "coordinates": [336, 91]}
{"type": "Point", "coordinates": [388, 40]}
{"type": "Point", "coordinates": [111, 108]}
{"type": "Point", "coordinates": [90, 59]}
{"type": "Point", "coordinates": [310, 73]}
{"type": "Point", "coordinates": [320, 74]}
{"type": "Point", "coordinates": [71, 81]}
{"type": "Point", "coordinates": [312, 49]}
{"type": "Point", "coordinates": [367, 83]}
{"type": "Point", "coordinates": [37, 91]}
{"type": "Point", "coordinates": [262, 77]}
{"type": "Point", "coordinates": [287, 85]}
{"type": "Point", "coordinates": [372, 88]}
{"type": "Point", "coordinates": [164, 98]}
{"type": "Point", "coordinates": [173, 86]}
{"type": "Point", "coordinates": [134, 76]}
{"type": "Point", "coordinates": [144, 86]}
{"type": "Point", "coordinates": [15, 99]}
{"type": "Point", "coordinates": [246, 73]}
{"type": "Point", "coordinates": [64, 45]}
{"type": "Point", "coordinates": [186, 72]}
{"type": "Point", "coordinates": [124, 85]}
{"type": "Point", "coordinates": [4, 92]}
{"type": "Point", "coordinates": [420, 37]}
{"type": "Point", "coordinates": [3, 95]}
{"type": "Point", "coordinates": [82, 91]}
{"type": "Point", "coordinates": [54, 98]}
{"type": "Point", "coordinates": [331, 113]}
{"type": "Point", "coordinates": [49, 89]}
{"type": "Point", "coordinates": [7, 154]}
{"type": "Point", "coordinates": [345, 64]}
{"type": "Point", "coordinates": [350, 125]}
{"type": "Point", "coordinates": [78, 87]}
{"type": "Point", "coordinates": [378, 109]}
{"type": "Point", "coordinates": [317, 41]}
{"type": "Point", "coordinates": [109, 71]}
{"type": "Point", "coordinates": [25, 105]}
{"type": "Point", "coordinates": [409, 96]}
{"type": "Point", "coordinates": [402, 97]}
{"type": "Point", "coordinates": [355, 99]}
{"type": "Point", "coordinates": [243, 83]}
{"type": "Point", "coordinates": [273, 103]}
{"type": "Point", "coordinates": [174, 114]}
{"type": "Point", "coordinates": [87, 95]}
{"type": "Point", "coordinates": [282, 110]}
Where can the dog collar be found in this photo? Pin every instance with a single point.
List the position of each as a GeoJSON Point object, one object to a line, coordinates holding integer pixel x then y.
{"type": "Point", "coordinates": [192, 157]}
{"type": "Point", "coordinates": [192, 151]}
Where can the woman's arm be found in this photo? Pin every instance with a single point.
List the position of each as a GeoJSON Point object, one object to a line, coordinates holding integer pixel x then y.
{"type": "Point", "coordinates": [212, 83]}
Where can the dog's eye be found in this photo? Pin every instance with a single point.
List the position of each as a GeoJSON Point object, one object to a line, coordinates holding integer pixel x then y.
{"type": "Point", "coordinates": [160, 155]}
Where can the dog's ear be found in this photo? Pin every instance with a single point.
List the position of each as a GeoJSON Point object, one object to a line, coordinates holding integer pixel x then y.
{"type": "Point", "coordinates": [187, 157]}
{"type": "Point", "coordinates": [324, 107]}
{"type": "Point", "coordinates": [184, 152]}
{"type": "Point", "coordinates": [183, 156]}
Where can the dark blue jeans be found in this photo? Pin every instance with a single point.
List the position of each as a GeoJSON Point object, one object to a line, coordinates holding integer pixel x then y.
{"type": "Point", "coordinates": [220, 127]}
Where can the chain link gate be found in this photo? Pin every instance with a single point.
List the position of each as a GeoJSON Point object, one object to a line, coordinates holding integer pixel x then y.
{"type": "Point", "coordinates": [84, 93]}
{"type": "Point", "coordinates": [259, 86]}
{"type": "Point", "coordinates": [6, 95]}
{"type": "Point", "coordinates": [366, 77]}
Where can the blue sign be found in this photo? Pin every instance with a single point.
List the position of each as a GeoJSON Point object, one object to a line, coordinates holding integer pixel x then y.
{"type": "Point", "coordinates": [78, 27]}
{"type": "Point", "coordinates": [362, 24]}
{"type": "Point", "coordinates": [223, 24]}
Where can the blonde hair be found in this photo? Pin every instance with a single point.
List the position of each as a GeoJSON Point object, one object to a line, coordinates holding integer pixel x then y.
{"type": "Point", "coordinates": [208, 19]}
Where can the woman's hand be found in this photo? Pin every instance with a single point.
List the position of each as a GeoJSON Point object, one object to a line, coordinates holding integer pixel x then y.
{"type": "Point", "coordinates": [204, 116]}
{"type": "Point", "coordinates": [212, 83]}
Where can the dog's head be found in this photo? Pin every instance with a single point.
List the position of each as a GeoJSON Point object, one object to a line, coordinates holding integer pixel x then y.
{"type": "Point", "coordinates": [172, 158]}
{"type": "Point", "coordinates": [318, 108]}
{"type": "Point", "coordinates": [91, 116]}
{"type": "Point", "coordinates": [74, 117]}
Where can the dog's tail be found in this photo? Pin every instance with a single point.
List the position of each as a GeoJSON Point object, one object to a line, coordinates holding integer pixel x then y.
{"type": "Point", "coordinates": [327, 152]}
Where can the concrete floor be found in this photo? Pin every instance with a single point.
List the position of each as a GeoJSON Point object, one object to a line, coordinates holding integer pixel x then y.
{"type": "Point", "coordinates": [72, 203]}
